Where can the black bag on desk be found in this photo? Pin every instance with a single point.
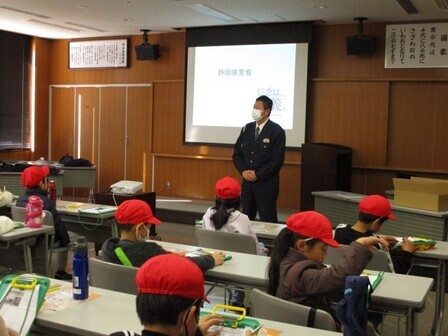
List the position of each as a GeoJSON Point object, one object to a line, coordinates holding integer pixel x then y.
{"type": "Point", "coordinates": [68, 161]}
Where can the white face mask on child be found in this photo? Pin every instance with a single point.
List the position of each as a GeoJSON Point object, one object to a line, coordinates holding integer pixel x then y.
{"type": "Point", "coordinates": [256, 114]}
{"type": "Point", "coordinates": [137, 234]}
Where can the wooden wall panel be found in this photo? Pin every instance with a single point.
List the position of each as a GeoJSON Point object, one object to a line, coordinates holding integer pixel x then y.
{"type": "Point", "coordinates": [112, 136]}
{"type": "Point", "coordinates": [418, 122]}
{"type": "Point", "coordinates": [196, 178]}
{"type": "Point", "coordinates": [60, 73]}
{"type": "Point", "coordinates": [62, 122]}
{"type": "Point", "coordinates": [43, 61]}
{"type": "Point", "coordinates": [353, 114]}
{"type": "Point", "coordinates": [90, 110]}
{"type": "Point", "coordinates": [138, 144]}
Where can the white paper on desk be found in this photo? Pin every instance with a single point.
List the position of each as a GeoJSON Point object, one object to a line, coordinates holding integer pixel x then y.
{"type": "Point", "coordinates": [19, 308]}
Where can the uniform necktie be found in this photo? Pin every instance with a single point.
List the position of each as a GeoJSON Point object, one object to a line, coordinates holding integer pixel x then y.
{"type": "Point", "coordinates": [257, 131]}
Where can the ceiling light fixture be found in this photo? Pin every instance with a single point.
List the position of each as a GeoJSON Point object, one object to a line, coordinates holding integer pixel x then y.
{"type": "Point", "coordinates": [204, 9]}
{"type": "Point", "coordinates": [25, 12]}
{"type": "Point", "coordinates": [84, 26]}
{"type": "Point", "coordinates": [55, 25]}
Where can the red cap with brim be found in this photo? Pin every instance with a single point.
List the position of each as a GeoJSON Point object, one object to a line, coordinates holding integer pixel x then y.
{"type": "Point", "coordinates": [171, 274]}
{"type": "Point", "coordinates": [376, 205]}
{"type": "Point", "coordinates": [135, 212]}
{"type": "Point", "coordinates": [32, 176]}
{"type": "Point", "coordinates": [227, 188]}
{"type": "Point", "coordinates": [313, 225]}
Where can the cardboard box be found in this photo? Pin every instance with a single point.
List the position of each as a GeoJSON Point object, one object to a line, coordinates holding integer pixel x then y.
{"type": "Point", "coordinates": [421, 193]}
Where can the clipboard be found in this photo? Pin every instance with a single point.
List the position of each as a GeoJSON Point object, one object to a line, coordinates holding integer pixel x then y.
{"type": "Point", "coordinates": [17, 294]}
{"type": "Point", "coordinates": [233, 324]}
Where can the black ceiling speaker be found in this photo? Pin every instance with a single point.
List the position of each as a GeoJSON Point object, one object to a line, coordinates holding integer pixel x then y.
{"type": "Point", "coordinates": [147, 51]}
{"type": "Point", "coordinates": [360, 44]}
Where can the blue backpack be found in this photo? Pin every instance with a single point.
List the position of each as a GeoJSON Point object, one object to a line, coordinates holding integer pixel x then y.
{"type": "Point", "coordinates": [352, 310]}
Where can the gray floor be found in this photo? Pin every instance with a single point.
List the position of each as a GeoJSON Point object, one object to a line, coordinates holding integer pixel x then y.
{"type": "Point", "coordinates": [393, 326]}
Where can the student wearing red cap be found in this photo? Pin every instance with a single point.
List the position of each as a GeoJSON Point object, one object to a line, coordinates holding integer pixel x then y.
{"type": "Point", "coordinates": [225, 216]}
{"type": "Point", "coordinates": [34, 178]}
{"type": "Point", "coordinates": [170, 295]}
{"type": "Point", "coordinates": [296, 272]}
{"type": "Point", "coordinates": [374, 210]}
{"type": "Point", "coordinates": [133, 247]}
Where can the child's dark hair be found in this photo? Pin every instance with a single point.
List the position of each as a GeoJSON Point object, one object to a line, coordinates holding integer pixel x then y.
{"type": "Point", "coordinates": [368, 218]}
{"type": "Point", "coordinates": [285, 240]}
{"type": "Point", "coordinates": [224, 208]}
{"type": "Point", "coordinates": [126, 227]}
{"type": "Point", "coordinates": [163, 309]}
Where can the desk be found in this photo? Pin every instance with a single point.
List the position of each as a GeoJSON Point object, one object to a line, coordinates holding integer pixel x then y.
{"type": "Point", "coordinates": [95, 227]}
{"type": "Point", "coordinates": [34, 246]}
{"type": "Point", "coordinates": [13, 182]}
{"type": "Point", "coordinates": [436, 257]}
{"type": "Point", "coordinates": [116, 199]}
{"type": "Point", "coordinates": [267, 232]}
{"type": "Point", "coordinates": [104, 315]}
{"type": "Point", "coordinates": [392, 294]}
{"type": "Point", "coordinates": [342, 207]}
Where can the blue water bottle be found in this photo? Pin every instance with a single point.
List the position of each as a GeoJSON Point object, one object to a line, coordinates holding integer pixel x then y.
{"type": "Point", "coordinates": [80, 270]}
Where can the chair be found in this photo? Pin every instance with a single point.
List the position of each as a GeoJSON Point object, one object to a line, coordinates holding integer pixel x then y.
{"type": "Point", "coordinates": [112, 276]}
{"type": "Point", "coordinates": [18, 214]}
{"type": "Point", "coordinates": [229, 241]}
{"type": "Point", "coordinates": [269, 307]}
{"type": "Point", "coordinates": [380, 261]}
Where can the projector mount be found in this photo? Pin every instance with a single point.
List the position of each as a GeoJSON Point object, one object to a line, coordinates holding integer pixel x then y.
{"type": "Point", "coordinates": [145, 36]}
{"type": "Point", "coordinates": [360, 28]}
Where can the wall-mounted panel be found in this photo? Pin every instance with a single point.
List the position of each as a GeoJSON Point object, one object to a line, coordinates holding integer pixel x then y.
{"type": "Point", "coordinates": [138, 145]}
{"type": "Point", "coordinates": [352, 114]}
{"type": "Point", "coordinates": [417, 125]}
{"type": "Point", "coordinates": [112, 139]}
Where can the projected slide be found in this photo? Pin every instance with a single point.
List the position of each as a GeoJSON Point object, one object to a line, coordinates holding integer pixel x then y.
{"type": "Point", "coordinates": [224, 81]}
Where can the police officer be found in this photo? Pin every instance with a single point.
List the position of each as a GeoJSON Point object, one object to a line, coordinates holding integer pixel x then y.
{"type": "Point", "coordinates": [258, 155]}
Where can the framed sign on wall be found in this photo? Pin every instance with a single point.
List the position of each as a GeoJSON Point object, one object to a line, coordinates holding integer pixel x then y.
{"type": "Point", "coordinates": [98, 54]}
{"type": "Point", "coordinates": [417, 45]}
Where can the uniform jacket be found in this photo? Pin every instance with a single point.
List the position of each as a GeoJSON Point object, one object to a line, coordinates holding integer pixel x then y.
{"type": "Point", "coordinates": [139, 252]}
{"type": "Point", "coordinates": [265, 155]}
{"type": "Point", "coordinates": [312, 284]}
{"type": "Point", "coordinates": [61, 234]}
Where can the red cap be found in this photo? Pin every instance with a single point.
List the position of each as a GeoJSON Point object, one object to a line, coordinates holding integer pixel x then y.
{"type": "Point", "coordinates": [227, 188]}
{"type": "Point", "coordinates": [135, 212]}
{"type": "Point", "coordinates": [313, 225]}
{"type": "Point", "coordinates": [32, 176]}
{"type": "Point", "coordinates": [171, 274]}
{"type": "Point", "coordinates": [376, 205]}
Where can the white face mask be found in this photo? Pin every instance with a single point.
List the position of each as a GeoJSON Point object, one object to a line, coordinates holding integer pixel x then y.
{"type": "Point", "coordinates": [256, 114]}
{"type": "Point", "coordinates": [139, 237]}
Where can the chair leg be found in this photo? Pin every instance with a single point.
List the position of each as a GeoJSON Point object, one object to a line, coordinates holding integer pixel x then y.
{"type": "Point", "coordinates": [28, 258]}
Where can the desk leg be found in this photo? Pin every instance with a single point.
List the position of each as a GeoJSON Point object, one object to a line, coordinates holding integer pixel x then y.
{"type": "Point", "coordinates": [411, 324]}
{"type": "Point", "coordinates": [440, 299]}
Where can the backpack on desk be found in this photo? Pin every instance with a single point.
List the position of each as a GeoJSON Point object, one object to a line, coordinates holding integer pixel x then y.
{"type": "Point", "coordinates": [352, 310]}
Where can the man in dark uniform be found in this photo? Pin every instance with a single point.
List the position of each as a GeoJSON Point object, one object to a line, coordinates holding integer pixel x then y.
{"type": "Point", "coordinates": [258, 155]}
